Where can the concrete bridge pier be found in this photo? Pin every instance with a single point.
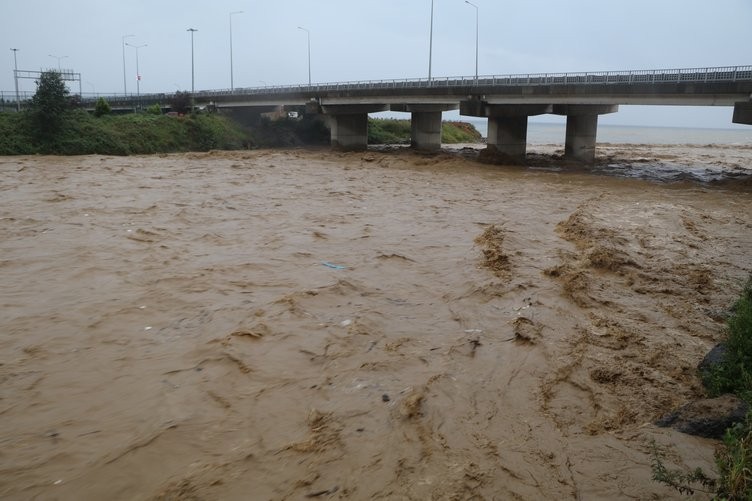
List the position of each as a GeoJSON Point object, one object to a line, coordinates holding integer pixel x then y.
{"type": "Point", "coordinates": [349, 124]}
{"type": "Point", "coordinates": [425, 124]}
{"type": "Point", "coordinates": [507, 126]}
{"type": "Point", "coordinates": [582, 129]}
{"type": "Point", "coordinates": [742, 113]}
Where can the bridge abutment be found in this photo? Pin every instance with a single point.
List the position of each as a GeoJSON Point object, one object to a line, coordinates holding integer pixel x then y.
{"type": "Point", "coordinates": [349, 124]}
{"type": "Point", "coordinates": [582, 129]}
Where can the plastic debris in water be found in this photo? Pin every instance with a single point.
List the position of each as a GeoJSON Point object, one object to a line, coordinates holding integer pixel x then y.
{"type": "Point", "coordinates": [333, 266]}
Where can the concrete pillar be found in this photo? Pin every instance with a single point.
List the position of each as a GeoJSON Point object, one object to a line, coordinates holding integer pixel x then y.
{"type": "Point", "coordinates": [507, 126]}
{"type": "Point", "coordinates": [507, 136]}
{"type": "Point", "coordinates": [582, 129]}
{"type": "Point", "coordinates": [349, 124]}
{"type": "Point", "coordinates": [425, 129]}
{"type": "Point", "coordinates": [349, 131]}
{"type": "Point", "coordinates": [742, 113]}
{"type": "Point", "coordinates": [580, 142]}
{"type": "Point", "coordinates": [425, 123]}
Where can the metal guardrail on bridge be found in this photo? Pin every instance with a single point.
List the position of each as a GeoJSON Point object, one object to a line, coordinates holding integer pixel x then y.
{"type": "Point", "coordinates": [685, 75]}
{"type": "Point", "coordinates": [666, 76]}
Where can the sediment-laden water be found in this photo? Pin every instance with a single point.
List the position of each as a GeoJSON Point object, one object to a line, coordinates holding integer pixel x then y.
{"type": "Point", "coordinates": [378, 325]}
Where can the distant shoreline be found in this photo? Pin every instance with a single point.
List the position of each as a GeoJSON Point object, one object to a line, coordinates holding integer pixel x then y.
{"type": "Point", "coordinates": [548, 132]}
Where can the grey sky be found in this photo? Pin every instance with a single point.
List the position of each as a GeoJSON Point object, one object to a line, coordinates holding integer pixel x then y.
{"type": "Point", "coordinates": [376, 39]}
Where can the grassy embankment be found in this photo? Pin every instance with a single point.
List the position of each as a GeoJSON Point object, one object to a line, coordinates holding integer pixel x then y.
{"type": "Point", "coordinates": [146, 133]}
{"type": "Point", "coordinates": [390, 131]}
{"type": "Point", "coordinates": [143, 133]}
{"type": "Point", "coordinates": [733, 375]}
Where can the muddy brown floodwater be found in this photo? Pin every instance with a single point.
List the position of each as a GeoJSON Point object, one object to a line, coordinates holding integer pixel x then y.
{"type": "Point", "coordinates": [379, 325]}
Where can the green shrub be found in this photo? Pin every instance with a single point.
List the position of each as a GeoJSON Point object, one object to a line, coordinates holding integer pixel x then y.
{"type": "Point", "coordinates": [102, 108]}
{"type": "Point", "coordinates": [734, 462]}
{"type": "Point", "coordinates": [734, 375]}
{"type": "Point", "coordinates": [154, 109]}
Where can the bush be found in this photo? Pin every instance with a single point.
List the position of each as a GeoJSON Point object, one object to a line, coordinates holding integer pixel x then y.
{"type": "Point", "coordinates": [154, 109]}
{"type": "Point", "coordinates": [734, 462]}
{"type": "Point", "coordinates": [734, 375]}
{"type": "Point", "coordinates": [102, 108]}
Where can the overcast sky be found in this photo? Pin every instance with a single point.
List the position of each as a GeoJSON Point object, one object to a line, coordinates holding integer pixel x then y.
{"type": "Point", "coordinates": [373, 39]}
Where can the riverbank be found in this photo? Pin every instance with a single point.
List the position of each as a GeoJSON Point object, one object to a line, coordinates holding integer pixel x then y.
{"type": "Point", "coordinates": [147, 133]}
{"type": "Point", "coordinates": [297, 323]}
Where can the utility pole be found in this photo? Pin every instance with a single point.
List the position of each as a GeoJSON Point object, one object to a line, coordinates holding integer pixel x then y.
{"type": "Point", "coordinates": [125, 85]}
{"type": "Point", "coordinates": [232, 82]}
{"type": "Point", "coordinates": [430, 45]}
{"type": "Point", "coordinates": [193, 75]}
{"type": "Point", "coordinates": [15, 77]}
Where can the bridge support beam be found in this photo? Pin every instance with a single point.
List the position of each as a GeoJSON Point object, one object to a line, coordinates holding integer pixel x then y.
{"type": "Point", "coordinates": [743, 113]}
{"type": "Point", "coordinates": [425, 124]}
{"type": "Point", "coordinates": [582, 129]}
{"type": "Point", "coordinates": [507, 127]}
{"type": "Point", "coordinates": [349, 124]}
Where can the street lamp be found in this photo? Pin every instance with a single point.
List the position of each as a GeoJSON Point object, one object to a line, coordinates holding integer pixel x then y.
{"type": "Point", "coordinates": [125, 85]}
{"type": "Point", "coordinates": [477, 10]}
{"type": "Point", "coordinates": [15, 77]}
{"type": "Point", "coordinates": [430, 45]}
{"type": "Point", "coordinates": [138, 73]}
{"type": "Point", "coordinates": [232, 83]}
{"type": "Point", "coordinates": [309, 53]}
{"type": "Point", "coordinates": [58, 62]}
{"type": "Point", "coordinates": [193, 75]}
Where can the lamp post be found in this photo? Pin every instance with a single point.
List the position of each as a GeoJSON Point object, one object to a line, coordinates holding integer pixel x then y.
{"type": "Point", "coordinates": [477, 11]}
{"type": "Point", "coordinates": [138, 74]}
{"type": "Point", "coordinates": [193, 75]}
{"type": "Point", "coordinates": [15, 77]}
{"type": "Point", "coordinates": [232, 83]}
{"type": "Point", "coordinates": [125, 85]}
{"type": "Point", "coordinates": [430, 45]}
{"type": "Point", "coordinates": [309, 53]}
{"type": "Point", "coordinates": [58, 62]}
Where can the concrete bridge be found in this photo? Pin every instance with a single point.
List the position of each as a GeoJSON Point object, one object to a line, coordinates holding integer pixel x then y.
{"type": "Point", "coordinates": [507, 101]}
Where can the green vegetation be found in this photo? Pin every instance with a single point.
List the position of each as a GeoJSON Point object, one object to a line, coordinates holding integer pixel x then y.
{"type": "Point", "coordinates": [102, 108]}
{"type": "Point", "coordinates": [388, 131]}
{"type": "Point", "coordinates": [391, 131]}
{"type": "Point", "coordinates": [48, 106]}
{"type": "Point", "coordinates": [735, 374]}
{"type": "Point", "coordinates": [54, 125]}
{"type": "Point", "coordinates": [81, 134]}
{"type": "Point", "coordinates": [459, 132]}
{"type": "Point", "coordinates": [732, 375]}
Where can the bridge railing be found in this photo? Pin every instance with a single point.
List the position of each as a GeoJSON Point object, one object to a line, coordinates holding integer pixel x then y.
{"type": "Point", "coordinates": [702, 75]}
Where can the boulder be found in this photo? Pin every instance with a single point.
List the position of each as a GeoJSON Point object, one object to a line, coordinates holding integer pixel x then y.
{"type": "Point", "coordinates": [707, 418]}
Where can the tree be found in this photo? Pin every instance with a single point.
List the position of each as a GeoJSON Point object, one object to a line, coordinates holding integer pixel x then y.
{"type": "Point", "coordinates": [102, 108]}
{"type": "Point", "coordinates": [49, 104]}
{"type": "Point", "coordinates": [181, 102]}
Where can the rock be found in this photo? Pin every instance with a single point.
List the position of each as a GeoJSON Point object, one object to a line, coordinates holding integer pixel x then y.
{"type": "Point", "coordinates": [707, 418]}
{"type": "Point", "coordinates": [715, 357]}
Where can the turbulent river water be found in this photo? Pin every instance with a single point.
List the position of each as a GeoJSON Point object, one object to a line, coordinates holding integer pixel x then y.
{"type": "Point", "coordinates": [378, 325]}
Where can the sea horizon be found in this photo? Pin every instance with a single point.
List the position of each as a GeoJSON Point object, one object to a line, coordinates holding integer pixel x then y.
{"type": "Point", "coordinates": [554, 133]}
